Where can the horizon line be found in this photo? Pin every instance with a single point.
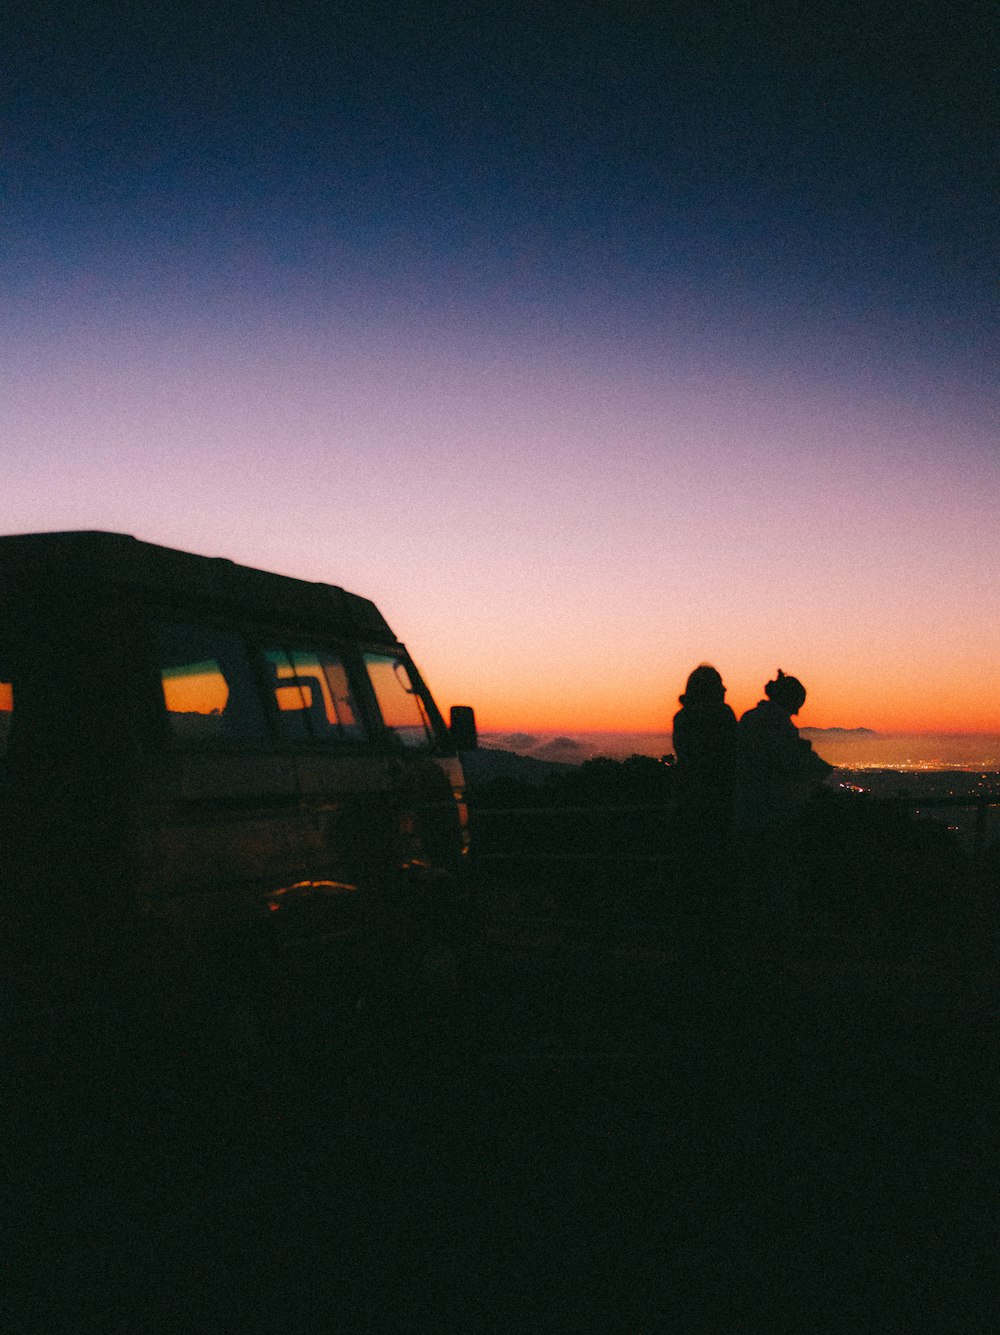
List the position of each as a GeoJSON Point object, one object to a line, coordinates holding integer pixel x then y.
{"type": "Point", "coordinates": [806, 727]}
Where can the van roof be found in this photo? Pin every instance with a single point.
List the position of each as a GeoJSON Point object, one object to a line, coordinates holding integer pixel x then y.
{"type": "Point", "coordinates": [46, 562]}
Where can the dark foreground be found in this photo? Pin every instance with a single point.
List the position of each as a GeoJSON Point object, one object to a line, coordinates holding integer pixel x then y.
{"type": "Point", "coordinates": [583, 1133]}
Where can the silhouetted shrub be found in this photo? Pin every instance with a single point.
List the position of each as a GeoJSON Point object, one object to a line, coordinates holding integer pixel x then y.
{"type": "Point", "coordinates": [637, 781]}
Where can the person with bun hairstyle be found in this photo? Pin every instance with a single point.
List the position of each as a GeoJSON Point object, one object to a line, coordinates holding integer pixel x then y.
{"type": "Point", "coordinates": [777, 770]}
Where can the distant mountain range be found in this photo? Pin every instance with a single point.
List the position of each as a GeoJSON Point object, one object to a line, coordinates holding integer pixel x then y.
{"type": "Point", "coordinates": [838, 732]}
{"type": "Point", "coordinates": [490, 762]}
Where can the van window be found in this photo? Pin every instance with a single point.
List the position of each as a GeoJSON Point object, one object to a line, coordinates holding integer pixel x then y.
{"type": "Point", "coordinates": [402, 709]}
{"type": "Point", "coordinates": [314, 697]}
{"type": "Point", "coordinates": [208, 686]}
{"type": "Point", "coordinates": [6, 699]}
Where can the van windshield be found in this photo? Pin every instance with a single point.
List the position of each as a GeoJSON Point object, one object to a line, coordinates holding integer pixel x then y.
{"type": "Point", "coordinates": [403, 711]}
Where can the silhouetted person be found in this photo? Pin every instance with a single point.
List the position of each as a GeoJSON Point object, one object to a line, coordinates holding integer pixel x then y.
{"type": "Point", "coordinates": [705, 737]}
{"type": "Point", "coordinates": [777, 771]}
{"type": "Point", "coordinates": [705, 743]}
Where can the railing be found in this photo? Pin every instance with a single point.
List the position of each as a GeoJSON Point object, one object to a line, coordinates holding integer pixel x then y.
{"type": "Point", "coordinates": [641, 839]}
{"type": "Point", "coordinates": [981, 804]}
{"type": "Point", "coordinates": [562, 816]}
{"type": "Point", "coordinates": [628, 886]}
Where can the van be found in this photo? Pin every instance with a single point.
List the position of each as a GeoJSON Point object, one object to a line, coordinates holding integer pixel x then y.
{"type": "Point", "coordinates": [201, 760]}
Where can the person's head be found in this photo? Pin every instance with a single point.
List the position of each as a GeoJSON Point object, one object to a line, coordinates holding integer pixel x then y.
{"type": "Point", "coordinates": [788, 693]}
{"type": "Point", "coordinates": [704, 687]}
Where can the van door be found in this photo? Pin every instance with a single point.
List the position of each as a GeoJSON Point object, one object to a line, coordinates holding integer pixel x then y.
{"type": "Point", "coordinates": [428, 805]}
{"type": "Point", "coordinates": [221, 818]}
{"type": "Point", "coordinates": [348, 837]}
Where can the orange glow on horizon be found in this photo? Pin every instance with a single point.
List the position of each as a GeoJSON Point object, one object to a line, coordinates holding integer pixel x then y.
{"type": "Point", "coordinates": [618, 673]}
{"type": "Point", "coordinates": [547, 723]}
{"type": "Point", "coordinates": [829, 705]}
{"type": "Point", "coordinates": [554, 721]}
{"type": "Point", "coordinates": [555, 718]}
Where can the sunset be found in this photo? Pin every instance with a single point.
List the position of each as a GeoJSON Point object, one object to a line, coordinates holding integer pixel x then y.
{"type": "Point", "coordinates": [578, 409]}
{"type": "Point", "coordinates": [625, 372]}
{"type": "Point", "coordinates": [559, 525]}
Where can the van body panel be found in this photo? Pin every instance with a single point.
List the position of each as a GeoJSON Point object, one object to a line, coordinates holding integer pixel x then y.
{"type": "Point", "coordinates": [209, 816]}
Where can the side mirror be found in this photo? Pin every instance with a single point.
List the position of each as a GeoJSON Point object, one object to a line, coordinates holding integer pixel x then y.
{"type": "Point", "coordinates": [463, 728]}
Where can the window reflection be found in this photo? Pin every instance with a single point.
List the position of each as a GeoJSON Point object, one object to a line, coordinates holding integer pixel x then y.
{"type": "Point", "coordinates": [195, 688]}
{"type": "Point", "coordinates": [6, 699]}
{"type": "Point", "coordinates": [208, 688]}
{"type": "Point", "coordinates": [402, 709]}
{"type": "Point", "coordinates": [316, 703]}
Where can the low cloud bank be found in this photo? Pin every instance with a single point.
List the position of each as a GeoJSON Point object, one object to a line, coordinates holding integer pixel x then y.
{"type": "Point", "coordinates": [562, 748]}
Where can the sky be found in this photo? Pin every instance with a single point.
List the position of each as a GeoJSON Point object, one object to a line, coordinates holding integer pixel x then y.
{"type": "Point", "coordinates": [590, 341]}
